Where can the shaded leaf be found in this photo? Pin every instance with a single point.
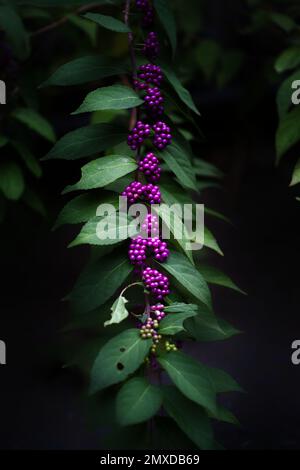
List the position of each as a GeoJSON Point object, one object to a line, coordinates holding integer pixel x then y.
{"type": "Point", "coordinates": [288, 133]}
{"type": "Point", "coordinates": [110, 97]}
{"type": "Point", "coordinates": [36, 122]}
{"type": "Point", "coordinates": [12, 182]}
{"type": "Point", "coordinates": [108, 22]}
{"type": "Point", "coordinates": [167, 19]}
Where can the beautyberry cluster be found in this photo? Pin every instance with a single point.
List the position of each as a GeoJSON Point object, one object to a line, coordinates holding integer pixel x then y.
{"type": "Point", "coordinates": [158, 310]}
{"type": "Point", "coordinates": [162, 135]}
{"type": "Point", "coordinates": [151, 74]}
{"type": "Point", "coordinates": [138, 135]}
{"type": "Point", "coordinates": [141, 247]}
{"type": "Point", "coordinates": [148, 11]}
{"type": "Point", "coordinates": [149, 165]}
{"type": "Point", "coordinates": [156, 283]}
{"type": "Point", "coordinates": [148, 193]}
{"type": "Point", "coordinates": [151, 47]}
{"type": "Point", "coordinates": [154, 102]}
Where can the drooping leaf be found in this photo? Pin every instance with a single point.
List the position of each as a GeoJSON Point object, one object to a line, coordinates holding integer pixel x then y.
{"type": "Point", "coordinates": [190, 417]}
{"type": "Point", "coordinates": [296, 174]}
{"type": "Point", "coordinates": [211, 242]}
{"type": "Point", "coordinates": [99, 282]}
{"type": "Point", "coordinates": [137, 401]}
{"type": "Point", "coordinates": [110, 97]}
{"type": "Point", "coordinates": [213, 275]}
{"type": "Point", "coordinates": [119, 311]}
{"type": "Point", "coordinates": [178, 161]}
{"type": "Point", "coordinates": [288, 59]}
{"type": "Point", "coordinates": [83, 70]}
{"type": "Point", "coordinates": [288, 133]}
{"type": "Point", "coordinates": [206, 169]}
{"type": "Point", "coordinates": [11, 180]}
{"type": "Point", "coordinates": [188, 277]}
{"type": "Point", "coordinates": [103, 171]}
{"type": "Point", "coordinates": [87, 141]}
{"type": "Point", "coordinates": [206, 327]}
{"type": "Point", "coordinates": [12, 24]}
{"type": "Point", "coordinates": [182, 92]}
{"type": "Point", "coordinates": [174, 324]}
{"type": "Point", "coordinates": [119, 358]}
{"type": "Point", "coordinates": [190, 378]}
{"type": "Point", "coordinates": [108, 22]}
{"type": "Point", "coordinates": [167, 19]}
{"type": "Point", "coordinates": [84, 207]}
{"type": "Point", "coordinates": [36, 122]}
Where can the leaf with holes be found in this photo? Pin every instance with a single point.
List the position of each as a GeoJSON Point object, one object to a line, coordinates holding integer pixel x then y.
{"type": "Point", "coordinates": [137, 401]}
{"type": "Point", "coordinates": [119, 358]}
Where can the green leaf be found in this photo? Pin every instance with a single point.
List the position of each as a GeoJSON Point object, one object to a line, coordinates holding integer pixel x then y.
{"type": "Point", "coordinates": [178, 161]}
{"type": "Point", "coordinates": [103, 171]}
{"type": "Point", "coordinates": [108, 22]}
{"type": "Point", "coordinates": [99, 282]}
{"type": "Point", "coordinates": [167, 19]}
{"type": "Point", "coordinates": [211, 242]}
{"type": "Point", "coordinates": [206, 169]}
{"type": "Point", "coordinates": [213, 275]}
{"type": "Point", "coordinates": [110, 97]}
{"type": "Point", "coordinates": [182, 92]}
{"type": "Point", "coordinates": [180, 307]}
{"type": "Point", "coordinates": [34, 201]}
{"type": "Point", "coordinates": [87, 141]}
{"type": "Point", "coordinates": [284, 95]}
{"type": "Point", "coordinates": [207, 327]}
{"type": "Point", "coordinates": [137, 401]}
{"type": "Point", "coordinates": [174, 324]}
{"type": "Point", "coordinates": [119, 311]}
{"type": "Point", "coordinates": [12, 25]}
{"type": "Point", "coordinates": [288, 133]}
{"type": "Point", "coordinates": [90, 29]}
{"type": "Point", "coordinates": [83, 208]}
{"type": "Point", "coordinates": [114, 229]}
{"type": "Point", "coordinates": [11, 180]}
{"type": "Point", "coordinates": [119, 358]}
{"type": "Point", "coordinates": [30, 161]}
{"type": "Point", "coordinates": [83, 70]}
{"type": "Point", "coordinates": [296, 174]}
{"type": "Point", "coordinates": [285, 22]}
{"type": "Point", "coordinates": [36, 122]}
{"type": "Point", "coordinates": [225, 415]}
{"type": "Point", "coordinates": [188, 277]}
{"type": "Point", "coordinates": [190, 418]}
{"type": "Point", "coordinates": [208, 54]}
{"type": "Point", "coordinates": [189, 378]}
{"type": "Point", "coordinates": [288, 59]}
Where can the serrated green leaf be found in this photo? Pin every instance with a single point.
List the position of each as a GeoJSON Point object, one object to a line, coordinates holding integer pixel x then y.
{"type": "Point", "coordinates": [137, 401]}
{"type": "Point", "coordinates": [110, 97]}
{"type": "Point", "coordinates": [288, 59]}
{"type": "Point", "coordinates": [83, 70]}
{"type": "Point", "coordinates": [167, 19]}
{"type": "Point", "coordinates": [188, 277]}
{"type": "Point", "coordinates": [108, 22]}
{"type": "Point", "coordinates": [180, 307]}
{"type": "Point", "coordinates": [99, 282]}
{"type": "Point", "coordinates": [288, 133]}
{"type": "Point", "coordinates": [35, 122]}
{"type": "Point", "coordinates": [188, 376]}
{"type": "Point", "coordinates": [103, 171]}
{"type": "Point", "coordinates": [87, 141]}
{"type": "Point", "coordinates": [12, 182]}
{"type": "Point", "coordinates": [190, 418]}
{"type": "Point", "coordinates": [119, 358]}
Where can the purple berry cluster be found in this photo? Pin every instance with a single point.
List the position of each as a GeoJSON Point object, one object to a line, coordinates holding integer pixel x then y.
{"type": "Point", "coordinates": [149, 129]}
{"type": "Point", "coordinates": [151, 47]}
{"type": "Point", "coordinates": [156, 283]}
{"type": "Point", "coordinates": [149, 165]}
{"type": "Point", "coordinates": [144, 192]}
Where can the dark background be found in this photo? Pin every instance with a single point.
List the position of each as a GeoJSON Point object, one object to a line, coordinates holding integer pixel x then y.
{"type": "Point", "coordinates": [41, 403]}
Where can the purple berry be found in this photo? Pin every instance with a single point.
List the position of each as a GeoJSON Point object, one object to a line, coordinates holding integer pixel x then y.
{"type": "Point", "coordinates": [138, 135]}
{"type": "Point", "coordinates": [134, 191]}
{"type": "Point", "coordinates": [149, 165]}
{"type": "Point", "coordinates": [151, 74]}
{"type": "Point", "coordinates": [150, 226]}
{"type": "Point", "coordinates": [138, 251]}
{"type": "Point", "coordinates": [162, 135]}
{"type": "Point", "coordinates": [158, 310]}
{"type": "Point", "coordinates": [151, 46]}
{"type": "Point", "coordinates": [156, 283]}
